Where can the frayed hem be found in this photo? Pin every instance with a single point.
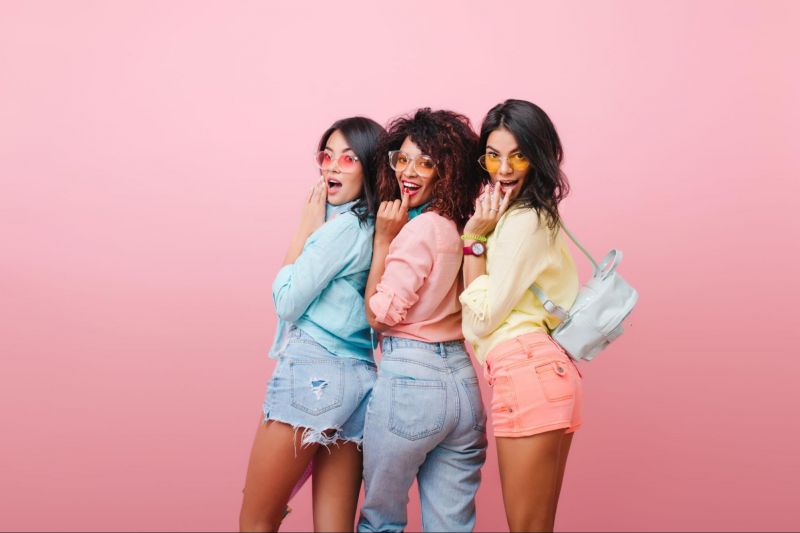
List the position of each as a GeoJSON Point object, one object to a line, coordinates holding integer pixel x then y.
{"type": "Point", "coordinates": [326, 437]}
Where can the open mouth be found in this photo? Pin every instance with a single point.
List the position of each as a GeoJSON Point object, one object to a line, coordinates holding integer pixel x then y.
{"type": "Point", "coordinates": [334, 186]}
{"type": "Point", "coordinates": [410, 188]}
{"type": "Point", "coordinates": [506, 185]}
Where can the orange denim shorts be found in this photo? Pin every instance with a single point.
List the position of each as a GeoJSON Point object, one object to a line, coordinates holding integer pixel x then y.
{"type": "Point", "coordinates": [536, 387]}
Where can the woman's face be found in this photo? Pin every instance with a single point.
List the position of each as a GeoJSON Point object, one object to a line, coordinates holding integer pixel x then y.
{"type": "Point", "coordinates": [341, 169]}
{"type": "Point", "coordinates": [410, 164]}
{"type": "Point", "coordinates": [505, 164]}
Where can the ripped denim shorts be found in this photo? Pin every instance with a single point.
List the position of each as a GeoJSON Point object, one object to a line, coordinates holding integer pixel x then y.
{"type": "Point", "coordinates": [314, 391]}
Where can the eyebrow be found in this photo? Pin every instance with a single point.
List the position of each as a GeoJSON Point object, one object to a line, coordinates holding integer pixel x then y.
{"type": "Point", "coordinates": [347, 149]}
{"type": "Point", "coordinates": [490, 147]}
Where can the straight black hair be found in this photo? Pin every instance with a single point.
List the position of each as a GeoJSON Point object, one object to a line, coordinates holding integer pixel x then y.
{"type": "Point", "coordinates": [545, 185]}
{"type": "Point", "coordinates": [362, 135]}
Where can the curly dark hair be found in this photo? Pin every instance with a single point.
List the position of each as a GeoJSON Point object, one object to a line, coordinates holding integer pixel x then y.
{"type": "Point", "coordinates": [448, 138]}
{"type": "Point", "coordinates": [545, 185]}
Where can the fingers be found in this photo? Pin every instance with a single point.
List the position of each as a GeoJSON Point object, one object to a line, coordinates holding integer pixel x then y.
{"type": "Point", "coordinates": [495, 199]}
{"type": "Point", "coordinates": [322, 193]}
{"type": "Point", "coordinates": [504, 203]}
{"type": "Point", "coordinates": [480, 207]}
{"type": "Point", "coordinates": [404, 201]}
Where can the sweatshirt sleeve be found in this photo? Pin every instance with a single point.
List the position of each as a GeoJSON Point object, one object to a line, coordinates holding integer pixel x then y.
{"type": "Point", "coordinates": [518, 257]}
{"type": "Point", "coordinates": [408, 264]}
{"type": "Point", "coordinates": [324, 257]}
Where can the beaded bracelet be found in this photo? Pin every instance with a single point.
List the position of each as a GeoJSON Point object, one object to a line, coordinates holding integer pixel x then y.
{"type": "Point", "coordinates": [471, 237]}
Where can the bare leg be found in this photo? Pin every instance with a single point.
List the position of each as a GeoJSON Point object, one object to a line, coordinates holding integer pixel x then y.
{"type": "Point", "coordinates": [529, 471]}
{"type": "Point", "coordinates": [276, 463]}
{"type": "Point", "coordinates": [335, 485]}
{"type": "Point", "coordinates": [566, 442]}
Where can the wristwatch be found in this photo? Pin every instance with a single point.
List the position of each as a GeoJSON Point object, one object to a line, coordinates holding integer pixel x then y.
{"type": "Point", "coordinates": [477, 249]}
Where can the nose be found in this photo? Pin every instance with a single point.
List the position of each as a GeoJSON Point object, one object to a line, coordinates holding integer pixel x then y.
{"type": "Point", "coordinates": [505, 168]}
{"type": "Point", "coordinates": [411, 169]}
{"type": "Point", "coordinates": [334, 166]}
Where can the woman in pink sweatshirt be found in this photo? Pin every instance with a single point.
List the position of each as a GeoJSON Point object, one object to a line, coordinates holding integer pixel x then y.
{"type": "Point", "coordinates": [425, 419]}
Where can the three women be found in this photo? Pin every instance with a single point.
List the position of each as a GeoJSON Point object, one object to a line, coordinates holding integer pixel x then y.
{"type": "Point", "coordinates": [422, 417]}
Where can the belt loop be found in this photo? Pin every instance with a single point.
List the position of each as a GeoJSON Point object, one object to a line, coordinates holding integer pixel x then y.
{"type": "Point", "coordinates": [442, 351]}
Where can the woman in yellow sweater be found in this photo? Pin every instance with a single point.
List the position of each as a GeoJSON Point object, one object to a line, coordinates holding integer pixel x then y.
{"type": "Point", "coordinates": [511, 242]}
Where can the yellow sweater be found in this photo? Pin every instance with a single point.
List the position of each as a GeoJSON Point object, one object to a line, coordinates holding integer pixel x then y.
{"type": "Point", "coordinates": [499, 305]}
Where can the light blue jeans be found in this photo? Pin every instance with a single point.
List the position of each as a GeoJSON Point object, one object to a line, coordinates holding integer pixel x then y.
{"type": "Point", "coordinates": [425, 419]}
{"type": "Point", "coordinates": [319, 393]}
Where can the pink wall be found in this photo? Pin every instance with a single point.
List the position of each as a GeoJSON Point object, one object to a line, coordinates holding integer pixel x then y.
{"type": "Point", "coordinates": [153, 156]}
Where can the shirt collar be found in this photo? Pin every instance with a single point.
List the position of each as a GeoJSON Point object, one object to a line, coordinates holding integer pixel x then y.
{"type": "Point", "coordinates": [334, 210]}
{"type": "Point", "coordinates": [416, 211]}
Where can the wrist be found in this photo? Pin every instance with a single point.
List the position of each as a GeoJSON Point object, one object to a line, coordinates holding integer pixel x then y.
{"type": "Point", "coordinates": [475, 249]}
{"type": "Point", "coordinates": [382, 241]}
{"type": "Point", "coordinates": [470, 237]}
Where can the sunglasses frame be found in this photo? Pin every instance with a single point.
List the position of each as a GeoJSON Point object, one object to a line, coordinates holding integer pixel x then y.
{"type": "Point", "coordinates": [337, 160]}
{"type": "Point", "coordinates": [413, 162]}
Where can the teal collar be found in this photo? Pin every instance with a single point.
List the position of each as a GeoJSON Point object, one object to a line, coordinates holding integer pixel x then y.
{"type": "Point", "coordinates": [333, 210]}
{"type": "Point", "coordinates": [416, 211]}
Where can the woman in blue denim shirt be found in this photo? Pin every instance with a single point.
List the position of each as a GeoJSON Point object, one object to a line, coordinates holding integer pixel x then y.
{"type": "Point", "coordinates": [316, 399]}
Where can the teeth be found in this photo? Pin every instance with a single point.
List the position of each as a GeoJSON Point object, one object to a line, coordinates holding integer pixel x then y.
{"type": "Point", "coordinates": [409, 185]}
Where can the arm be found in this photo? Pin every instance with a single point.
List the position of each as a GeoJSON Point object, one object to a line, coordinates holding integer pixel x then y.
{"type": "Point", "coordinates": [517, 261]}
{"type": "Point", "coordinates": [399, 269]}
{"type": "Point", "coordinates": [312, 218]}
{"type": "Point", "coordinates": [380, 249]}
{"type": "Point", "coordinates": [300, 283]}
{"type": "Point", "coordinates": [488, 210]}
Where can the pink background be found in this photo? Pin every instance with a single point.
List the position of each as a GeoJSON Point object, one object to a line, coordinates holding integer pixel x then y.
{"type": "Point", "coordinates": [153, 158]}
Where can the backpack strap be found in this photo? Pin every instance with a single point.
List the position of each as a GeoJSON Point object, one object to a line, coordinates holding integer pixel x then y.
{"type": "Point", "coordinates": [578, 244]}
{"type": "Point", "coordinates": [549, 305]}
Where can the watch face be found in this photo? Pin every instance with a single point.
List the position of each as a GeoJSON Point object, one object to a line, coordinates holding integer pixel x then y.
{"type": "Point", "coordinates": [478, 248]}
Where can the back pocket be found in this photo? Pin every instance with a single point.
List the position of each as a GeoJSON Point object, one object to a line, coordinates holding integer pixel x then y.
{"type": "Point", "coordinates": [317, 385]}
{"type": "Point", "coordinates": [417, 407]}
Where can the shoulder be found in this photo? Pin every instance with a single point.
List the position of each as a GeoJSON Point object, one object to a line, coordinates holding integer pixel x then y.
{"type": "Point", "coordinates": [431, 220]}
{"type": "Point", "coordinates": [521, 217]}
{"type": "Point", "coordinates": [346, 225]}
{"type": "Point", "coordinates": [439, 231]}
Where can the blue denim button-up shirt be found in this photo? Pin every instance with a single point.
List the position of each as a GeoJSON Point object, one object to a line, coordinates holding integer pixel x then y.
{"type": "Point", "coordinates": [322, 292]}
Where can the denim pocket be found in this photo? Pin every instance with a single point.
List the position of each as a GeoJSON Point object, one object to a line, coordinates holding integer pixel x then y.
{"type": "Point", "coordinates": [417, 407]}
{"type": "Point", "coordinates": [555, 380]}
{"type": "Point", "coordinates": [317, 385]}
{"type": "Point", "coordinates": [473, 392]}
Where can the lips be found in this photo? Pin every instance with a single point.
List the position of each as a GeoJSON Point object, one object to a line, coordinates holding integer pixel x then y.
{"type": "Point", "coordinates": [506, 185]}
{"type": "Point", "coordinates": [410, 188]}
{"type": "Point", "coordinates": [333, 185]}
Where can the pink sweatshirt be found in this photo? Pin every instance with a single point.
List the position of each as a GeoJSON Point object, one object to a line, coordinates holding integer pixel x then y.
{"type": "Point", "coordinates": [418, 293]}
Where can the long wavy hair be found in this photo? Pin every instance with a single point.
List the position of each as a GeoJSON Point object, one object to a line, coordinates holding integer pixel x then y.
{"type": "Point", "coordinates": [448, 138]}
{"type": "Point", "coordinates": [363, 137]}
{"type": "Point", "coordinates": [545, 185]}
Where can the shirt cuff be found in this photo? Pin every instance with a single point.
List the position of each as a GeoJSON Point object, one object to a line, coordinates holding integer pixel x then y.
{"type": "Point", "coordinates": [389, 307]}
{"type": "Point", "coordinates": [474, 296]}
{"type": "Point", "coordinates": [284, 277]}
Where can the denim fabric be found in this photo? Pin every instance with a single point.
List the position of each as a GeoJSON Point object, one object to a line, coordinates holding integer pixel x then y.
{"type": "Point", "coordinates": [324, 395]}
{"type": "Point", "coordinates": [322, 292]}
{"type": "Point", "coordinates": [425, 419]}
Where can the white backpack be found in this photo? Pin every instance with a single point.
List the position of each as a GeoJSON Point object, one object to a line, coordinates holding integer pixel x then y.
{"type": "Point", "coordinates": [595, 319]}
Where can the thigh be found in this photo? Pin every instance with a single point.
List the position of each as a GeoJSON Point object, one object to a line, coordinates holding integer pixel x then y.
{"type": "Point", "coordinates": [336, 483]}
{"type": "Point", "coordinates": [529, 471]}
{"type": "Point", "coordinates": [277, 461]}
